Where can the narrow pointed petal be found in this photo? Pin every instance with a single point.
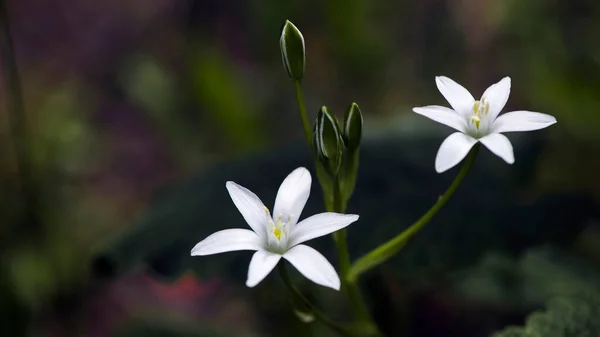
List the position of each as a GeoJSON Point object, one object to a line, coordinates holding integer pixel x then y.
{"type": "Point", "coordinates": [313, 266]}
{"type": "Point", "coordinates": [500, 146]}
{"type": "Point", "coordinates": [319, 225]}
{"type": "Point", "coordinates": [444, 116]}
{"type": "Point", "coordinates": [252, 209]}
{"type": "Point", "coordinates": [453, 149]}
{"type": "Point", "coordinates": [293, 194]}
{"type": "Point", "coordinates": [261, 265]}
{"type": "Point", "coordinates": [459, 98]}
{"type": "Point", "coordinates": [522, 121]}
{"type": "Point", "coordinates": [496, 96]}
{"type": "Point", "coordinates": [227, 240]}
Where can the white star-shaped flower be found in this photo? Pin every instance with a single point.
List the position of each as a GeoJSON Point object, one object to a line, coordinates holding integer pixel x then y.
{"type": "Point", "coordinates": [478, 121]}
{"type": "Point", "coordinates": [279, 236]}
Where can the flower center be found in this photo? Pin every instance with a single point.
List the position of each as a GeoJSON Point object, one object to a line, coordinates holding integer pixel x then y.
{"type": "Point", "coordinates": [480, 110]}
{"type": "Point", "coordinates": [278, 226]}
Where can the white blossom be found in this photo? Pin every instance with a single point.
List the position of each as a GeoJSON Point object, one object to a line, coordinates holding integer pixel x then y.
{"type": "Point", "coordinates": [478, 121]}
{"type": "Point", "coordinates": [279, 235]}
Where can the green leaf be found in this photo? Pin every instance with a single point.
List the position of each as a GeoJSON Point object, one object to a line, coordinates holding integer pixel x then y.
{"type": "Point", "coordinates": [564, 317]}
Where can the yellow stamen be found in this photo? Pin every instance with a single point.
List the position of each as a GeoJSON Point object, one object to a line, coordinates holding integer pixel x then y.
{"type": "Point", "coordinates": [475, 120]}
{"type": "Point", "coordinates": [278, 227]}
{"type": "Point", "coordinates": [479, 108]}
{"type": "Point", "coordinates": [277, 233]}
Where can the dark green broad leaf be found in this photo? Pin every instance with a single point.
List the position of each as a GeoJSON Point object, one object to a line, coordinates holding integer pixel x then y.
{"type": "Point", "coordinates": [397, 183]}
{"type": "Point", "coordinates": [565, 316]}
{"type": "Point", "coordinates": [500, 290]}
{"type": "Point", "coordinates": [569, 285]}
{"type": "Point", "coordinates": [528, 280]}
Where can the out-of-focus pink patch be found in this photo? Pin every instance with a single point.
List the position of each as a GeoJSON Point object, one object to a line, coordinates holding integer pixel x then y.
{"type": "Point", "coordinates": [187, 288]}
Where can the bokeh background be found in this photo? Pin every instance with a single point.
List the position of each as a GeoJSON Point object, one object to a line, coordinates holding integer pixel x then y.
{"type": "Point", "coordinates": [133, 105]}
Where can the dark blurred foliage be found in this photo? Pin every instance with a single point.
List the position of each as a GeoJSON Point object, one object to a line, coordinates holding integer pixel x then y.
{"type": "Point", "coordinates": [138, 112]}
{"type": "Point", "coordinates": [572, 287]}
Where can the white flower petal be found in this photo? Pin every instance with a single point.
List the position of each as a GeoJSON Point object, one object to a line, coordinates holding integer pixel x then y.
{"type": "Point", "coordinates": [293, 194]}
{"type": "Point", "coordinates": [443, 115]}
{"type": "Point", "coordinates": [522, 121]}
{"type": "Point", "coordinates": [260, 266]}
{"type": "Point", "coordinates": [453, 149]}
{"type": "Point", "coordinates": [500, 146]}
{"type": "Point", "coordinates": [459, 98]}
{"type": "Point", "coordinates": [228, 240]}
{"type": "Point", "coordinates": [252, 209]}
{"type": "Point", "coordinates": [319, 225]}
{"type": "Point", "coordinates": [313, 266]}
{"type": "Point", "coordinates": [496, 96]}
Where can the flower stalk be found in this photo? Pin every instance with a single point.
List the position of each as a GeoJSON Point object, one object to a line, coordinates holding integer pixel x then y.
{"type": "Point", "coordinates": [359, 308]}
{"type": "Point", "coordinates": [319, 316]}
{"type": "Point", "coordinates": [353, 292]}
{"type": "Point", "coordinates": [279, 236]}
{"type": "Point", "coordinates": [327, 168]}
{"type": "Point", "coordinates": [393, 246]}
{"type": "Point", "coordinates": [302, 110]}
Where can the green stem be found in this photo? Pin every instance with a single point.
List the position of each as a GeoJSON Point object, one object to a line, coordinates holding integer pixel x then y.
{"type": "Point", "coordinates": [351, 173]}
{"type": "Point", "coordinates": [390, 248]}
{"type": "Point", "coordinates": [321, 170]}
{"type": "Point", "coordinates": [341, 244]}
{"type": "Point", "coordinates": [302, 110]}
{"type": "Point", "coordinates": [365, 327]}
{"type": "Point", "coordinates": [357, 302]}
{"type": "Point", "coordinates": [299, 297]}
{"type": "Point", "coordinates": [17, 120]}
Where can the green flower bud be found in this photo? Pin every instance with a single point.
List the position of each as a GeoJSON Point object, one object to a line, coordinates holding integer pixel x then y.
{"type": "Point", "coordinates": [353, 122]}
{"type": "Point", "coordinates": [329, 141]}
{"type": "Point", "coordinates": [292, 50]}
{"type": "Point", "coordinates": [316, 143]}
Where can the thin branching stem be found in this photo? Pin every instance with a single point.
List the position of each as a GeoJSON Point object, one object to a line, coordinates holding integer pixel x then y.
{"type": "Point", "coordinates": [390, 248]}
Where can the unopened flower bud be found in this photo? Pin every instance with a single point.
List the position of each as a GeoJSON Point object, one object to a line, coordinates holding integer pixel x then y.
{"type": "Point", "coordinates": [353, 122]}
{"type": "Point", "coordinates": [292, 50]}
{"type": "Point", "coordinates": [329, 142]}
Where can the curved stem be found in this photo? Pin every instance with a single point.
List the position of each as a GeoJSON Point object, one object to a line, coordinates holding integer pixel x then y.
{"type": "Point", "coordinates": [302, 110]}
{"type": "Point", "coordinates": [390, 248]}
{"type": "Point", "coordinates": [298, 295]}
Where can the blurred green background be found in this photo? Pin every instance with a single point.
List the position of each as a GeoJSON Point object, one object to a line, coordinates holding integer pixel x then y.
{"type": "Point", "coordinates": [125, 99]}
